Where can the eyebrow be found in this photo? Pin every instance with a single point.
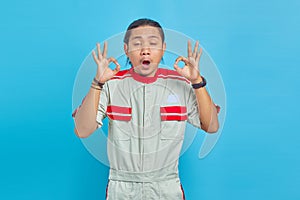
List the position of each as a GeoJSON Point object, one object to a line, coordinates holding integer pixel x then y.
{"type": "Point", "coordinates": [140, 37]}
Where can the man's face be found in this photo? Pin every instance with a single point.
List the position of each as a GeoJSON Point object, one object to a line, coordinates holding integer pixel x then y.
{"type": "Point", "coordinates": [145, 50]}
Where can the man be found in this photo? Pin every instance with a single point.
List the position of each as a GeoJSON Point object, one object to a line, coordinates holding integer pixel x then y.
{"type": "Point", "coordinates": [148, 108]}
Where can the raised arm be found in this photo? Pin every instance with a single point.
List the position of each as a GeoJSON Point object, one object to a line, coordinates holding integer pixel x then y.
{"type": "Point", "coordinates": [208, 111]}
{"type": "Point", "coordinates": [85, 115]}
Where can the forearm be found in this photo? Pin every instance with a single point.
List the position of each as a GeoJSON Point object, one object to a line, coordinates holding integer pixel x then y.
{"type": "Point", "coordinates": [85, 118]}
{"type": "Point", "coordinates": [207, 110]}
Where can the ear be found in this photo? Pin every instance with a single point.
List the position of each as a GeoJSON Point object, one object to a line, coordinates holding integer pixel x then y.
{"type": "Point", "coordinates": [164, 47]}
{"type": "Point", "coordinates": [126, 49]}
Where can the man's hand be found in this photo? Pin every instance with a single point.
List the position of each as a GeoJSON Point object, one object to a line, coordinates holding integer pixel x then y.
{"type": "Point", "coordinates": [191, 69]}
{"type": "Point", "coordinates": [104, 73]}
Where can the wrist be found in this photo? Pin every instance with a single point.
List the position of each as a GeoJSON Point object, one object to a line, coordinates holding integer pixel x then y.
{"type": "Point", "coordinates": [96, 87]}
{"type": "Point", "coordinates": [98, 81]}
{"type": "Point", "coordinates": [96, 84]}
{"type": "Point", "coordinates": [197, 80]}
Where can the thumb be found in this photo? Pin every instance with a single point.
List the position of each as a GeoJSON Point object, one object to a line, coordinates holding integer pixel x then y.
{"type": "Point", "coordinates": [178, 69]}
{"type": "Point", "coordinates": [117, 69]}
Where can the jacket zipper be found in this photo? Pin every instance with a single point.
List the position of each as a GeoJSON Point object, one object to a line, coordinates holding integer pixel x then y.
{"type": "Point", "coordinates": [143, 134]}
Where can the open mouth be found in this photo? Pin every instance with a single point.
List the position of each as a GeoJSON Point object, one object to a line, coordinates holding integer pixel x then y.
{"type": "Point", "coordinates": [146, 62]}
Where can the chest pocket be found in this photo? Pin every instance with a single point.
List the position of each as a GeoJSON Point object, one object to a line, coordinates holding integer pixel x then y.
{"type": "Point", "coordinates": [173, 120]}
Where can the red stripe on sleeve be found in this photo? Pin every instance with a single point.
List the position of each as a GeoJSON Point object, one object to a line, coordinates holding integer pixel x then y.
{"type": "Point", "coordinates": [119, 117]}
{"type": "Point", "coordinates": [173, 117]}
{"type": "Point", "coordinates": [118, 109]}
{"type": "Point", "coordinates": [173, 109]}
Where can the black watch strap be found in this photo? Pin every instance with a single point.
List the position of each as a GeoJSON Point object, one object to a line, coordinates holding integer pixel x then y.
{"type": "Point", "coordinates": [201, 84]}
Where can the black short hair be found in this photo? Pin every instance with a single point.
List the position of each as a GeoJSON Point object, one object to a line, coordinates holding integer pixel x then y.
{"type": "Point", "coordinates": [143, 22]}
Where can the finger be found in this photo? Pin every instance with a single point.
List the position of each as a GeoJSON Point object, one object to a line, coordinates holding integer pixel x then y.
{"type": "Point", "coordinates": [117, 69]}
{"type": "Point", "coordinates": [99, 51]}
{"type": "Point", "coordinates": [199, 55]}
{"type": "Point", "coordinates": [183, 59]}
{"type": "Point", "coordinates": [178, 69]}
{"type": "Point", "coordinates": [95, 57]}
{"type": "Point", "coordinates": [189, 49]}
{"type": "Point", "coordinates": [180, 58]}
{"type": "Point", "coordinates": [196, 49]}
{"type": "Point", "coordinates": [111, 59]}
{"type": "Point", "coordinates": [104, 50]}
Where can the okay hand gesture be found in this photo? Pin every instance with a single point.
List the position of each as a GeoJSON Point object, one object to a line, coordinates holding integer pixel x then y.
{"type": "Point", "coordinates": [104, 73]}
{"type": "Point", "coordinates": [191, 68]}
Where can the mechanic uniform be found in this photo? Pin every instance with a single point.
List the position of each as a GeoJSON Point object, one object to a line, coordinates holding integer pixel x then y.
{"type": "Point", "coordinates": [147, 120]}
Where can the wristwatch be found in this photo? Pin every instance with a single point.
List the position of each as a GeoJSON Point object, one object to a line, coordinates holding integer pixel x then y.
{"type": "Point", "coordinates": [201, 84]}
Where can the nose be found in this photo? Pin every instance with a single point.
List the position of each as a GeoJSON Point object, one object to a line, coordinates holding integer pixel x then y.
{"type": "Point", "coordinates": [145, 51]}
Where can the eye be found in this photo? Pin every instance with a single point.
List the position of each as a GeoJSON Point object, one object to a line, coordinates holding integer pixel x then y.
{"type": "Point", "coordinates": [137, 44]}
{"type": "Point", "coordinates": [153, 43]}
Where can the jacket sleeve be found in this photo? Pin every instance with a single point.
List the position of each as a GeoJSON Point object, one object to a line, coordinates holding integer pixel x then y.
{"type": "Point", "coordinates": [192, 107]}
{"type": "Point", "coordinates": [103, 102]}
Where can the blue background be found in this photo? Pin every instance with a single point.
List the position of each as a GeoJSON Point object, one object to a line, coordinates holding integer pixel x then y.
{"type": "Point", "coordinates": [255, 45]}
